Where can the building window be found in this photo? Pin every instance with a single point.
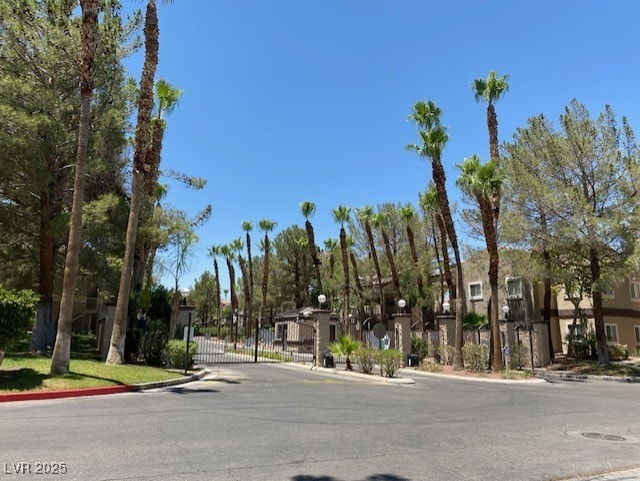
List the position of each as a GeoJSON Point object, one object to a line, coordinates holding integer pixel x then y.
{"type": "Point", "coordinates": [637, 329]}
{"type": "Point", "coordinates": [475, 291]}
{"type": "Point", "coordinates": [514, 288]}
{"type": "Point", "coordinates": [608, 293]}
{"type": "Point", "coordinates": [634, 289]}
{"type": "Point", "coordinates": [611, 332]}
{"type": "Point", "coordinates": [578, 330]}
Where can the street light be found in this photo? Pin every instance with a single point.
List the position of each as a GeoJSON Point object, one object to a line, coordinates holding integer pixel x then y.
{"type": "Point", "coordinates": [322, 299]}
{"type": "Point", "coordinates": [185, 294]}
{"type": "Point", "coordinates": [402, 304]}
{"type": "Point", "coordinates": [505, 311]}
{"type": "Point", "coordinates": [445, 307]}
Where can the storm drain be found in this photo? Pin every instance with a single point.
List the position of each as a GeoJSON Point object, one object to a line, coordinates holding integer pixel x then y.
{"type": "Point", "coordinates": [603, 437]}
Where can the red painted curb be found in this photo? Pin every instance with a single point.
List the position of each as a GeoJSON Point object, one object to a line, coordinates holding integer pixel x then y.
{"type": "Point", "coordinates": [92, 391]}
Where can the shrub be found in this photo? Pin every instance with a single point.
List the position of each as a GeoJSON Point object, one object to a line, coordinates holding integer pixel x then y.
{"type": "Point", "coordinates": [154, 342]}
{"type": "Point", "coordinates": [345, 346]}
{"type": "Point", "coordinates": [17, 312]}
{"type": "Point", "coordinates": [475, 356]}
{"type": "Point", "coordinates": [177, 351]}
{"type": "Point", "coordinates": [449, 353]}
{"type": "Point", "coordinates": [473, 320]}
{"type": "Point", "coordinates": [618, 352]}
{"type": "Point", "coordinates": [519, 356]}
{"type": "Point", "coordinates": [419, 347]}
{"type": "Point", "coordinates": [366, 359]}
{"type": "Point", "coordinates": [390, 361]}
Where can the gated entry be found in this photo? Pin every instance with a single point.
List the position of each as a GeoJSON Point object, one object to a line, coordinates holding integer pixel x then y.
{"type": "Point", "coordinates": [287, 341]}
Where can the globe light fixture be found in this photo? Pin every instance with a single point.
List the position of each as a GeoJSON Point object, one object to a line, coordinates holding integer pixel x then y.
{"type": "Point", "coordinates": [322, 299]}
{"type": "Point", "coordinates": [402, 304]}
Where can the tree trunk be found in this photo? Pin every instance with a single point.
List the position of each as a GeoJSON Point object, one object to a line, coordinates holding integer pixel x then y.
{"type": "Point", "coordinates": [265, 279]}
{"type": "Point", "coordinates": [345, 265]}
{"type": "Point", "coordinates": [89, 34]}
{"type": "Point", "coordinates": [439, 180]}
{"type": "Point", "coordinates": [219, 301]}
{"type": "Point", "coordinates": [598, 315]}
{"type": "Point", "coordinates": [145, 105]}
{"type": "Point", "coordinates": [356, 276]}
{"type": "Point", "coordinates": [44, 332]}
{"type": "Point", "coordinates": [175, 313]}
{"type": "Point", "coordinates": [414, 256]}
{"type": "Point", "coordinates": [314, 253]}
{"type": "Point", "coordinates": [392, 264]}
{"type": "Point", "coordinates": [374, 255]}
{"type": "Point", "coordinates": [119, 332]}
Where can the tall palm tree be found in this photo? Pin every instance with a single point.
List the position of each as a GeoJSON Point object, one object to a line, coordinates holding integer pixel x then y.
{"type": "Point", "coordinates": [490, 90]}
{"type": "Point", "coordinates": [167, 99]}
{"type": "Point", "coordinates": [365, 215]}
{"type": "Point", "coordinates": [214, 251]}
{"type": "Point", "coordinates": [308, 209]}
{"type": "Point", "coordinates": [89, 36]}
{"type": "Point", "coordinates": [145, 106]}
{"type": "Point", "coordinates": [408, 215]}
{"type": "Point", "coordinates": [303, 246]}
{"type": "Point", "coordinates": [481, 181]}
{"type": "Point", "coordinates": [354, 265]}
{"type": "Point", "coordinates": [341, 215]}
{"type": "Point", "coordinates": [247, 227]}
{"type": "Point", "coordinates": [330, 246]}
{"type": "Point", "coordinates": [433, 135]}
{"type": "Point", "coordinates": [266, 226]}
{"type": "Point", "coordinates": [379, 220]}
{"type": "Point", "coordinates": [237, 247]}
{"type": "Point", "coordinates": [429, 203]}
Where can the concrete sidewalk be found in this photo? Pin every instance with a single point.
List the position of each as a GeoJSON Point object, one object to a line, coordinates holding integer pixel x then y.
{"type": "Point", "coordinates": [632, 474]}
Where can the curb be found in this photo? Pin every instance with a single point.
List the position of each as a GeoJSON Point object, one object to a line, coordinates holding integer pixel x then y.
{"type": "Point", "coordinates": [339, 372]}
{"type": "Point", "coordinates": [568, 376]}
{"type": "Point", "coordinates": [478, 379]}
{"type": "Point", "coordinates": [98, 391]}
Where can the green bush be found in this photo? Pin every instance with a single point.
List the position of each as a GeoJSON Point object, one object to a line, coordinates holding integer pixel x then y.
{"type": "Point", "coordinates": [177, 351]}
{"type": "Point", "coordinates": [475, 357]}
{"type": "Point", "coordinates": [618, 352]}
{"type": "Point", "coordinates": [366, 359]}
{"type": "Point", "coordinates": [519, 356]}
{"type": "Point", "coordinates": [17, 313]}
{"type": "Point", "coordinates": [390, 361]}
{"type": "Point", "coordinates": [473, 320]}
{"type": "Point", "coordinates": [449, 353]}
{"type": "Point", "coordinates": [419, 347]}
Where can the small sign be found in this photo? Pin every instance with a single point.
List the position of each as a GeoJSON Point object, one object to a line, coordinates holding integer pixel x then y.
{"type": "Point", "coordinates": [506, 351]}
{"type": "Point", "coordinates": [379, 330]}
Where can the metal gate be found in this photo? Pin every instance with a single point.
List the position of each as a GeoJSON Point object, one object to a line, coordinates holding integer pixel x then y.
{"type": "Point", "coordinates": [284, 342]}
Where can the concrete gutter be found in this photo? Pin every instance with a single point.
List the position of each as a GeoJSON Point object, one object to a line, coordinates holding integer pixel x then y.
{"type": "Point", "coordinates": [348, 374]}
{"type": "Point", "coordinates": [472, 378]}
{"type": "Point", "coordinates": [98, 391]}
{"type": "Point", "coordinates": [571, 376]}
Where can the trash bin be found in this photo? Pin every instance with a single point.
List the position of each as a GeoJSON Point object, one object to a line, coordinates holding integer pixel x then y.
{"type": "Point", "coordinates": [412, 360]}
{"type": "Point", "coordinates": [327, 359]}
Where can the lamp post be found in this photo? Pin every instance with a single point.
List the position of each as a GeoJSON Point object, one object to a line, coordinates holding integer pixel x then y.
{"type": "Point", "coordinates": [402, 304]}
{"type": "Point", "coordinates": [445, 307]}
{"type": "Point", "coordinates": [185, 295]}
{"type": "Point", "coordinates": [321, 300]}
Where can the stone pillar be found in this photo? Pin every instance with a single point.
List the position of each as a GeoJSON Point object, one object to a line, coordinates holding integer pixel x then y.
{"type": "Point", "coordinates": [402, 333]}
{"type": "Point", "coordinates": [541, 354]}
{"type": "Point", "coordinates": [322, 334]}
{"type": "Point", "coordinates": [106, 328]}
{"type": "Point", "coordinates": [449, 323]}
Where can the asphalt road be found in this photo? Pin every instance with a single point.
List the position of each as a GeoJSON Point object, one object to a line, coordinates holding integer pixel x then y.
{"type": "Point", "coordinates": [267, 422]}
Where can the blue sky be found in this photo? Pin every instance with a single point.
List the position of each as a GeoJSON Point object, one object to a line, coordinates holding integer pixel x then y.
{"type": "Point", "coordinates": [293, 100]}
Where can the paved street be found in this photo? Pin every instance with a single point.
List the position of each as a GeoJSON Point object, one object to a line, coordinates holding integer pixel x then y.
{"type": "Point", "coordinates": [270, 422]}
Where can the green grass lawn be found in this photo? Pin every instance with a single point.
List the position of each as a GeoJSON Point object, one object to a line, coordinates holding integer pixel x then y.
{"type": "Point", "coordinates": [21, 371]}
{"type": "Point", "coordinates": [31, 373]}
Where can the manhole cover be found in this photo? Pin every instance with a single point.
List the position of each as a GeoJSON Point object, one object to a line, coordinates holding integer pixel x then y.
{"type": "Point", "coordinates": [603, 437]}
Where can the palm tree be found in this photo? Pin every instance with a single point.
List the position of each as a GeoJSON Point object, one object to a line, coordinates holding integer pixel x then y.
{"type": "Point", "coordinates": [481, 181]}
{"type": "Point", "coordinates": [183, 241]}
{"type": "Point", "coordinates": [214, 251]}
{"type": "Point", "coordinates": [238, 246]}
{"type": "Point", "coordinates": [354, 265]}
{"type": "Point", "coordinates": [341, 215]}
{"type": "Point", "coordinates": [490, 90]}
{"type": "Point", "coordinates": [366, 214]}
{"type": "Point", "coordinates": [345, 346]}
{"type": "Point", "coordinates": [330, 246]}
{"type": "Point", "coordinates": [379, 220]}
{"type": "Point", "coordinates": [429, 203]}
{"type": "Point", "coordinates": [247, 226]}
{"type": "Point", "coordinates": [303, 246]}
{"type": "Point", "coordinates": [167, 99]}
{"type": "Point", "coordinates": [266, 226]}
{"type": "Point", "coordinates": [145, 106]}
{"type": "Point", "coordinates": [434, 137]}
{"type": "Point", "coordinates": [89, 35]}
{"type": "Point", "coordinates": [308, 209]}
{"type": "Point", "coordinates": [408, 215]}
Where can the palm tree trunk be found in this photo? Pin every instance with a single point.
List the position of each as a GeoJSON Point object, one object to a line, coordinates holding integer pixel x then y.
{"type": "Point", "coordinates": [314, 253]}
{"type": "Point", "coordinates": [414, 256]}
{"type": "Point", "coordinates": [374, 255]}
{"type": "Point", "coordinates": [356, 276]}
{"type": "Point", "coordinates": [89, 34]}
{"type": "Point", "coordinates": [265, 279]}
{"type": "Point", "coordinates": [392, 264]}
{"type": "Point", "coordinates": [219, 302]}
{"type": "Point", "coordinates": [345, 266]}
{"type": "Point", "coordinates": [145, 105]}
{"type": "Point", "coordinates": [439, 179]}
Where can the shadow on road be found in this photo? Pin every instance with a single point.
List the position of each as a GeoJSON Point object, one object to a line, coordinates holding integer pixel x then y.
{"type": "Point", "coordinates": [373, 477]}
{"type": "Point", "coordinates": [182, 390]}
